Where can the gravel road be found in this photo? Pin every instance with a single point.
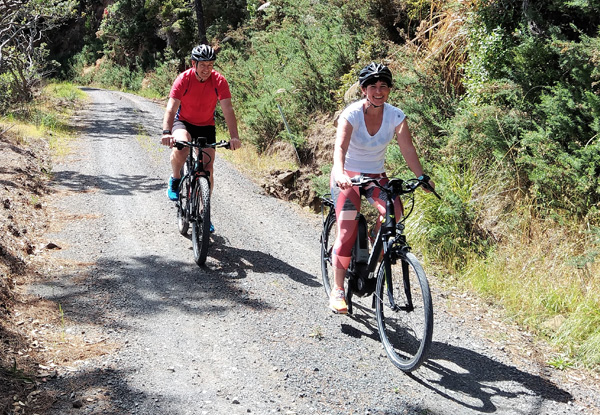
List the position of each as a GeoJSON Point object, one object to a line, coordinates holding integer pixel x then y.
{"type": "Point", "coordinates": [250, 332]}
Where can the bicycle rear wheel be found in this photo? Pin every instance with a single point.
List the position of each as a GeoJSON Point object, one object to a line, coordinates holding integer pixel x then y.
{"type": "Point", "coordinates": [404, 312]}
{"type": "Point", "coordinates": [328, 237]}
{"type": "Point", "coordinates": [201, 220]}
{"type": "Point", "coordinates": [183, 216]}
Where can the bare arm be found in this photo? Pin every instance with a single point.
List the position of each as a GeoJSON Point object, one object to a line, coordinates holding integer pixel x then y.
{"type": "Point", "coordinates": [231, 121]}
{"type": "Point", "coordinates": [170, 112]}
{"type": "Point", "coordinates": [408, 150]}
{"type": "Point", "coordinates": [342, 140]}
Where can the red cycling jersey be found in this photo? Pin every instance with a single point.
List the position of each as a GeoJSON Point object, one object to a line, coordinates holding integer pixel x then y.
{"type": "Point", "coordinates": [199, 99]}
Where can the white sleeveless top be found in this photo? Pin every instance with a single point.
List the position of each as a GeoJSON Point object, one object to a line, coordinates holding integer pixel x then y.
{"type": "Point", "coordinates": [366, 153]}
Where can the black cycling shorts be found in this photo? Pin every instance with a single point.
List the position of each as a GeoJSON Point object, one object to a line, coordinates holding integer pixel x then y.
{"type": "Point", "coordinates": [208, 131]}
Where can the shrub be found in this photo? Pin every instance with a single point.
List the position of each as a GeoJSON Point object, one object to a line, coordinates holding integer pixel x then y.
{"type": "Point", "coordinates": [5, 92]}
{"type": "Point", "coordinates": [160, 81]}
{"type": "Point", "coordinates": [111, 75]}
{"type": "Point", "coordinates": [296, 64]}
{"type": "Point", "coordinates": [450, 230]}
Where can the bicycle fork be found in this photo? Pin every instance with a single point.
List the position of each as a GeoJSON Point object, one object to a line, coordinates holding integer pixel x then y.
{"type": "Point", "coordinates": [390, 255]}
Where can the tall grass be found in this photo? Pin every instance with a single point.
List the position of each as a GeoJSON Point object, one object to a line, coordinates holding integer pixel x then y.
{"type": "Point", "coordinates": [535, 275]}
{"type": "Point", "coordinates": [450, 230]}
{"type": "Point", "coordinates": [47, 117]}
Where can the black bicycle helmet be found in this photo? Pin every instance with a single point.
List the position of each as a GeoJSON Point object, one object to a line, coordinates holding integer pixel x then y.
{"type": "Point", "coordinates": [374, 72]}
{"type": "Point", "coordinates": [203, 53]}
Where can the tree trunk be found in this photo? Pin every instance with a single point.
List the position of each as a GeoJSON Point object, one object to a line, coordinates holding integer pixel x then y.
{"type": "Point", "coordinates": [200, 20]}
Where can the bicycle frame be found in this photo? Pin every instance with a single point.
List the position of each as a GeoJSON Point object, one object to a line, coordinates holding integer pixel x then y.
{"type": "Point", "coordinates": [195, 160]}
{"type": "Point", "coordinates": [383, 242]}
{"type": "Point", "coordinates": [193, 206]}
{"type": "Point", "coordinates": [390, 235]}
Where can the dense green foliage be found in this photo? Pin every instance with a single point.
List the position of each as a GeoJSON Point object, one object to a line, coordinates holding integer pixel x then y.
{"type": "Point", "coordinates": [289, 61]}
{"type": "Point", "coordinates": [24, 59]}
{"type": "Point", "coordinates": [536, 70]}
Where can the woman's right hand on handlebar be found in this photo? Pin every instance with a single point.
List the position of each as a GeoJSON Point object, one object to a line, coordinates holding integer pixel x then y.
{"type": "Point", "coordinates": [343, 180]}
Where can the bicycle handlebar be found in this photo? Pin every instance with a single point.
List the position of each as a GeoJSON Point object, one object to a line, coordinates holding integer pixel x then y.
{"type": "Point", "coordinates": [396, 185]}
{"type": "Point", "coordinates": [201, 144]}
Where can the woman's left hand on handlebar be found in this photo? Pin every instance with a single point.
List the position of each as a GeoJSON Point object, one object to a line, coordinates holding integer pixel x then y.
{"type": "Point", "coordinates": [428, 186]}
{"type": "Point", "coordinates": [432, 184]}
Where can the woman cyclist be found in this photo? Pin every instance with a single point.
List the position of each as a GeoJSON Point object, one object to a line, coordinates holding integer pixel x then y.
{"type": "Point", "coordinates": [364, 130]}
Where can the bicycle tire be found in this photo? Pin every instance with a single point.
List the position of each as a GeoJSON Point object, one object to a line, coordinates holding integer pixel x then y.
{"type": "Point", "coordinates": [328, 237]}
{"type": "Point", "coordinates": [201, 222]}
{"type": "Point", "coordinates": [183, 215]}
{"type": "Point", "coordinates": [406, 334]}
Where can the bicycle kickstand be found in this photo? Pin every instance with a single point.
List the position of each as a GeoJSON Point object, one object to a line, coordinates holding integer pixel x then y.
{"type": "Point", "coordinates": [349, 300]}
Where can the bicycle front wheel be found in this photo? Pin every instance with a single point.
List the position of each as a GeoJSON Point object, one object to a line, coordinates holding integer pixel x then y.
{"type": "Point", "coordinates": [404, 312]}
{"type": "Point", "coordinates": [201, 220]}
{"type": "Point", "coordinates": [183, 215]}
{"type": "Point", "coordinates": [328, 237]}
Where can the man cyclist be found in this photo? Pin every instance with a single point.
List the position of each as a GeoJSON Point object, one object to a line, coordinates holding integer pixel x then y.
{"type": "Point", "coordinates": [190, 113]}
{"type": "Point", "coordinates": [364, 130]}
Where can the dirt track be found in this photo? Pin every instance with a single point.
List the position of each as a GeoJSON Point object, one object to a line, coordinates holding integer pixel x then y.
{"type": "Point", "coordinates": [250, 332]}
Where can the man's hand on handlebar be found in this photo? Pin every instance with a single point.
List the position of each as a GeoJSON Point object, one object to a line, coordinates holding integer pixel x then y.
{"type": "Point", "coordinates": [167, 140]}
{"type": "Point", "coordinates": [235, 143]}
{"type": "Point", "coordinates": [170, 141]}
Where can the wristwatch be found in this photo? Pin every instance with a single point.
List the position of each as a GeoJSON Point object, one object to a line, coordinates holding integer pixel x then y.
{"type": "Point", "coordinates": [166, 132]}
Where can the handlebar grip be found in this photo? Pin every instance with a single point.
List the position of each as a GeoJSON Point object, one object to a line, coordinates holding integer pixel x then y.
{"type": "Point", "coordinates": [356, 179]}
{"type": "Point", "coordinates": [424, 181]}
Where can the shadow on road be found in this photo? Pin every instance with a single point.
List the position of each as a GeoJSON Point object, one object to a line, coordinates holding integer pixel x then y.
{"type": "Point", "coordinates": [103, 294]}
{"type": "Point", "coordinates": [236, 261]}
{"type": "Point", "coordinates": [118, 185]}
{"type": "Point", "coordinates": [470, 379]}
{"type": "Point", "coordinates": [115, 122]}
{"type": "Point", "coordinates": [475, 381]}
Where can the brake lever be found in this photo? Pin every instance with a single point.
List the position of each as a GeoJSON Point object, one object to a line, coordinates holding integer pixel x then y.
{"type": "Point", "coordinates": [427, 186]}
{"type": "Point", "coordinates": [358, 179]}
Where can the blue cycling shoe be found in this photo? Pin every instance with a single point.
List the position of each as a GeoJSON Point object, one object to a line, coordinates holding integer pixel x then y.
{"type": "Point", "coordinates": [212, 228]}
{"type": "Point", "coordinates": [173, 189]}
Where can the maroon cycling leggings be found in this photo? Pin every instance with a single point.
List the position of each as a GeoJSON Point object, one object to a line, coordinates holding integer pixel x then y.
{"type": "Point", "coordinates": [347, 207]}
